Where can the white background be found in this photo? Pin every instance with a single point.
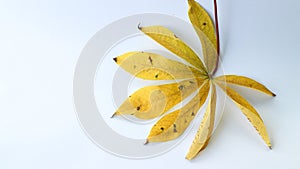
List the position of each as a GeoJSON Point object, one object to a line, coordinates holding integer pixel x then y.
{"type": "Point", "coordinates": [40, 42]}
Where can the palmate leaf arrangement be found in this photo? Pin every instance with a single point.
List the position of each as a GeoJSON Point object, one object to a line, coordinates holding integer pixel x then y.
{"type": "Point", "coordinates": [154, 101]}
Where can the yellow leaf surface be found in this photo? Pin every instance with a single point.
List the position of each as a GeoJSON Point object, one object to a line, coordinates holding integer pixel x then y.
{"type": "Point", "coordinates": [169, 40]}
{"type": "Point", "coordinates": [175, 123]}
{"type": "Point", "coordinates": [245, 81]}
{"type": "Point", "coordinates": [152, 101]}
{"type": "Point", "coordinates": [152, 66]}
{"type": "Point", "coordinates": [204, 27]}
{"type": "Point", "coordinates": [206, 128]}
{"type": "Point", "coordinates": [249, 112]}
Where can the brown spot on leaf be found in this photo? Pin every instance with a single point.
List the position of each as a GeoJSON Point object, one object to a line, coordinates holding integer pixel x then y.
{"type": "Point", "coordinates": [174, 130]}
{"type": "Point", "coordinates": [181, 87]}
{"type": "Point", "coordinates": [138, 108]}
{"type": "Point", "coordinates": [150, 59]}
{"type": "Point", "coordinates": [193, 114]}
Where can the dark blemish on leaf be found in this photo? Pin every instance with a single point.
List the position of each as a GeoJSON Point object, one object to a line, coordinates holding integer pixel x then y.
{"type": "Point", "coordinates": [162, 128]}
{"type": "Point", "coordinates": [185, 121]}
{"type": "Point", "coordinates": [181, 87]}
{"type": "Point", "coordinates": [134, 66]}
{"type": "Point", "coordinates": [115, 59]}
{"type": "Point", "coordinates": [156, 76]}
{"type": "Point", "coordinates": [204, 24]}
{"type": "Point", "coordinates": [193, 114]}
{"type": "Point", "coordinates": [174, 125]}
{"type": "Point", "coordinates": [138, 108]}
{"type": "Point", "coordinates": [150, 59]}
{"type": "Point", "coordinates": [175, 36]}
{"type": "Point", "coordinates": [191, 82]}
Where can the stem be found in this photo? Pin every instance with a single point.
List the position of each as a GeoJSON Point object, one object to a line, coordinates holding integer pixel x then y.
{"type": "Point", "coordinates": [217, 32]}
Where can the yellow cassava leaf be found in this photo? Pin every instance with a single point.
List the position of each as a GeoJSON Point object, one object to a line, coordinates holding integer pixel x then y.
{"type": "Point", "coordinates": [152, 66]}
{"type": "Point", "coordinates": [175, 123]}
{"type": "Point", "coordinates": [206, 128]}
{"type": "Point", "coordinates": [202, 21]}
{"type": "Point", "coordinates": [152, 101]}
{"type": "Point", "coordinates": [169, 40]}
{"type": "Point", "coordinates": [249, 112]}
{"type": "Point", "coordinates": [204, 27]}
{"type": "Point", "coordinates": [245, 81]}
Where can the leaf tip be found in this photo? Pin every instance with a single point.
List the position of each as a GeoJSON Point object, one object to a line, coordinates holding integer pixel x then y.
{"type": "Point", "coordinates": [187, 157]}
{"type": "Point", "coordinates": [146, 142]}
{"type": "Point", "coordinates": [270, 147]}
{"type": "Point", "coordinates": [139, 26]}
{"type": "Point", "coordinates": [190, 1]}
{"type": "Point", "coordinates": [273, 94]}
{"type": "Point", "coordinates": [113, 115]}
{"type": "Point", "coordinates": [115, 59]}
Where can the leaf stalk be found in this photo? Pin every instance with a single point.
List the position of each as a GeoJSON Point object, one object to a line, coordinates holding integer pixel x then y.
{"type": "Point", "coordinates": [217, 34]}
